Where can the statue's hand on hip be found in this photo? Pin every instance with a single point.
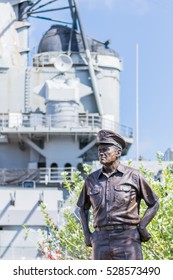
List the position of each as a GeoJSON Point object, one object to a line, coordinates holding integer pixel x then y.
{"type": "Point", "coordinates": [144, 234]}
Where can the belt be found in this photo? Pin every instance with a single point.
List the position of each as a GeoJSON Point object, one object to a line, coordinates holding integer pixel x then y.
{"type": "Point", "coordinates": [116, 227]}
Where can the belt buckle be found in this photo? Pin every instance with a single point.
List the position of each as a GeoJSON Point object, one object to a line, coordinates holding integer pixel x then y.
{"type": "Point", "coordinates": [122, 226]}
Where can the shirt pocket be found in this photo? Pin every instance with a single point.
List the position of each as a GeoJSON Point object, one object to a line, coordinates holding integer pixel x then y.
{"type": "Point", "coordinates": [122, 196]}
{"type": "Point", "coordinates": [95, 197]}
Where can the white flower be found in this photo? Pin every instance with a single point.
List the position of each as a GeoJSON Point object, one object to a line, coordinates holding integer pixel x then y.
{"type": "Point", "coordinates": [45, 250]}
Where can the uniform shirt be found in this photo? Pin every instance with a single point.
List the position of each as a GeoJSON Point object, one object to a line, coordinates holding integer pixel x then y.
{"type": "Point", "coordinates": [115, 199]}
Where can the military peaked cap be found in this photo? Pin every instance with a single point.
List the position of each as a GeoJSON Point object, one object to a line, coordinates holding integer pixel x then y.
{"type": "Point", "coordinates": [110, 137]}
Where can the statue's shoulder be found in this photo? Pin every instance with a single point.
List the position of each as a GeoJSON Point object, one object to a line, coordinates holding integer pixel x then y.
{"type": "Point", "coordinates": [130, 169]}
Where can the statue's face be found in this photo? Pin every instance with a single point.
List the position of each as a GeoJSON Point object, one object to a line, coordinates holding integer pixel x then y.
{"type": "Point", "coordinates": [108, 154]}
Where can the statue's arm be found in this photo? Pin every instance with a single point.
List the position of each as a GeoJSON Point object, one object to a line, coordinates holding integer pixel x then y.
{"type": "Point", "coordinates": [84, 217]}
{"type": "Point", "coordinates": [146, 219]}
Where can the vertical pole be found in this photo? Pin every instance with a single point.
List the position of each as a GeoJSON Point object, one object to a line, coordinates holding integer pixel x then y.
{"type": "Point", "coordinates": [90, 64]}
{"type": "Point", "coordinates": [137, 106]}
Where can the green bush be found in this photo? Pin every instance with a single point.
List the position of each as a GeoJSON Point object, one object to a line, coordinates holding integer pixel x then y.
{"type": "Point", "coordinates": [71, 237]}
{"type": "Point", "coordinates": [160, 247]}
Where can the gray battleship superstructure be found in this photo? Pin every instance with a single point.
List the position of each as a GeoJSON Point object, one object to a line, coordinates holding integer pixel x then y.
{"type": "Point", "coordinates": [50, 112]}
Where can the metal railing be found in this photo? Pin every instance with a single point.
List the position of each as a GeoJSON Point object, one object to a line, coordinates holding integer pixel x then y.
{"type": "Point", "coordinates": [27, 177]}
{"type": "Point", "coordinates": [48, 58]}
{"type": "Point", "coordinates": [37, 122]}
{"type": "Point", "coordinates": [55, 175]}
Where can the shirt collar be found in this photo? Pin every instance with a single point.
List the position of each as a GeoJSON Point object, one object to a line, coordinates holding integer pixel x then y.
{"type": "Point", "coordinates": [120, 168]}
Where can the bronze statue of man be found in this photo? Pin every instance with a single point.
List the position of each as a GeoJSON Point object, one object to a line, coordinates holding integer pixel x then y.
{"type": "Point", "coordinates": [114, 192]}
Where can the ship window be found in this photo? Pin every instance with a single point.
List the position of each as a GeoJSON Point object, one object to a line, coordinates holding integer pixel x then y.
{"type": "Point", "coordinates": [80, 167]}
{"type": "Point", "coordinates": [41, 164]}
{"type": "Point", "coordinates": [68, 169]}
{"type": "Point", "coordinates": [54, 171]}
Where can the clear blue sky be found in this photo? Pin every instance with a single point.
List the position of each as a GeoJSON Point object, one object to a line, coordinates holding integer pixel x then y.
{"type": "Point", "coordinates": [148, 23]}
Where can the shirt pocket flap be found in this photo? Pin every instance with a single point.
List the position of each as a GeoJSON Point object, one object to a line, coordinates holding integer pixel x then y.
{"type": "Point", "coordinates": [122, 188]}
{"type": "Point", "coordinates": [94, 191]}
